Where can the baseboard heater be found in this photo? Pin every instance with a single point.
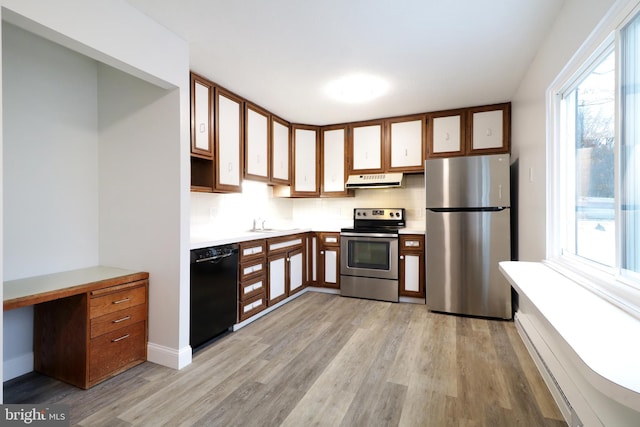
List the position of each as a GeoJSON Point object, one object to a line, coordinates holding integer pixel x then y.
{"type": "Point", "coordinates": [573, 419]}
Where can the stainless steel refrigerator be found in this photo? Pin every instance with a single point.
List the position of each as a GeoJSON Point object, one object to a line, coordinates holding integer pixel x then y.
{"type": "Point", "coordinates": [467, 233]}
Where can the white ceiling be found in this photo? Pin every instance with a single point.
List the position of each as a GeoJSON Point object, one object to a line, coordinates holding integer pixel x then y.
{"type": "Point", "coordinates": [436, 54]}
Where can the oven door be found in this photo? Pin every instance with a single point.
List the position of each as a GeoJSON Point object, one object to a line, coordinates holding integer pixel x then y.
{"type": "Point", "coordinates": [369, 255]}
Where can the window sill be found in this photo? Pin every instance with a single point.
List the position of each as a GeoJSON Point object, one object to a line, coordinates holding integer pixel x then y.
{"type": "Point", "coordinates": [602, 335]}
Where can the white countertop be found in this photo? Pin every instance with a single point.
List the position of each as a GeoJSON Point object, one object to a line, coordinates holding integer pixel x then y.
{"type": "Point", "coordinates": [204, 236]}
{"type": "Point", "coordinates": [604, 337]}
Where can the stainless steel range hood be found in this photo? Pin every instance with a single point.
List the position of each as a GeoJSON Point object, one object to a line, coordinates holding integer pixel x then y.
{"type": "Point", "coordinates": [376, 180]}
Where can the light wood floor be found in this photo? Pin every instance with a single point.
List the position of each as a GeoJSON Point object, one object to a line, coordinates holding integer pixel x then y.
{"type": "Point", "coordinates": [331, 361]}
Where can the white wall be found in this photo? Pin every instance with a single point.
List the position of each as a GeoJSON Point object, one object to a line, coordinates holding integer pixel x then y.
{"type": "Point", "coordinates": [114, 33]}
{"type": "Point", "coordinates": [50, 190]}
{"type": "Point", "coordinates": [574, 23]}
{"type": "Point", "coordinates": [236, 211]}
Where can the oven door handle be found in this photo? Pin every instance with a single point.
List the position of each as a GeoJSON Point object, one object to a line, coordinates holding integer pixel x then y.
{"type": "Point", "coordinates": [388, 235]}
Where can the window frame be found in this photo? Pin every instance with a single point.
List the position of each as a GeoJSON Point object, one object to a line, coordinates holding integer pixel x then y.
{"type": "Point", "coordinates": [607, 282]}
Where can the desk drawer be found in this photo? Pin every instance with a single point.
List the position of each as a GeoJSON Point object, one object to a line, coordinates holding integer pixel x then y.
{"type": "Point", "coordinates": [117, 350]}
{"type": "Point", "coordinates": [118, 319]}
{"type": "Point", "coordinates": [117, 301]}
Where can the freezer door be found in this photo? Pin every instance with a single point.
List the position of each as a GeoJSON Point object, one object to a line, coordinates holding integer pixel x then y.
{"type": "Point", "coordinates": [462, 252]}
{"type": "Point", "coordinates": [468, 182]}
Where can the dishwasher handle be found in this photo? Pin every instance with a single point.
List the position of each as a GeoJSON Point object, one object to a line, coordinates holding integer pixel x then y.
{"type": "Point", "coordinates": [215, 258]}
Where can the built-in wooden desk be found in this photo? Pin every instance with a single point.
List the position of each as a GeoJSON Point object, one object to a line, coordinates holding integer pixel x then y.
{"type": "Point", "coordinates": [89, 324]}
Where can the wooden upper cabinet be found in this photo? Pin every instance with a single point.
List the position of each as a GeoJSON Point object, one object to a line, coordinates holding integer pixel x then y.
{"type": "Point", "coordinates": [489, 129]}
{"type": "Point", "coordinates": [366, 145]}
{"type": "Point", "coordinates": [334, 161]}
{"type": "Point", "coordinates": [446, 135]}
{"type": "Point", "coordinates": [201, 117]}
{"type": "Point", "coordinates": [256, 143]}
{"type": "Point", "coordinates": [306, 174]}
{"type": "Point", "coordinates": [406, 143]}
{"type": "Point", "coordinates": [228, 141]}
{"type": "Point", "coordinates": [280, 151]}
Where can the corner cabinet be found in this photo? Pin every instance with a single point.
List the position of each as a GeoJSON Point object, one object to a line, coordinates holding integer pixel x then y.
{"type": "Point", "coordinates": [334, 161]}
{"type": "Point", "coordinates": [280, 151]}
{"type": "Point", "coordinates": [228, 141]}
{"type": "Point", "coordinates": [405, 148]}
{"type": "Point", "coordinates": [306, 176]}
{"type": "Point", "coordinates": [412, 274]}
{"type": "Point", "coordinates": [256, 143]}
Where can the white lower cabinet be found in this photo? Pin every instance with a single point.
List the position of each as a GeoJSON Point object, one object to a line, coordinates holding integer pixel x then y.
{"type": "Point", "coordinates": [277, 289]}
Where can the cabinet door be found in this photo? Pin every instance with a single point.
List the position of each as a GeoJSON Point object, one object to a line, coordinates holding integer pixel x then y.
{"type": "Point", "coordinates": [228, 142]}
{"type": "Point", "coordinates": [280, 151]}
{"type": "Point", "coordinates": [406, 144]}
{"type": "Point", "coordinates": [366, 147]}
{"type": "Point", "coordinates": [446, 137]}
{"type": "Point", "coordinates": [201, 117]}
{"type": "Point", "coordinates": [331, 273]}
{"type": "Point", "coordinates": [412, 274]}
{"type": "Point", "coordinates": [305, 161]}
{"type": "Point", "coordinates": [334, 171]}
{"type": "Point", "coordinates": [256, 143]}
{"type": "Point", "coordinates": [296, 270]}
{"type": "Point", "coordinates": [276, 287]}
{"type": "Point", "coordinates": [489, 129]}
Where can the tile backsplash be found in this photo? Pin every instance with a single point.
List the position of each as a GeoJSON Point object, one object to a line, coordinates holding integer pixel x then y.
{"type": "Point", "coordinates": [237, 211]}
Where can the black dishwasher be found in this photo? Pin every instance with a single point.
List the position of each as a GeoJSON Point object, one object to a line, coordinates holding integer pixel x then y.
{"type": "Point", "coordinates": [214, 286]}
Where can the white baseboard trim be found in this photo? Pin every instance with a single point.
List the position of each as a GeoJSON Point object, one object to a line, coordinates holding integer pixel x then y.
{"type": "Point", "coordinates": [17, 366]}
{"type": "Point", "coordinates": [169, 357]}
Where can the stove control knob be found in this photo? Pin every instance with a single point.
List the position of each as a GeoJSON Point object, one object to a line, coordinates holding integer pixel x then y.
{"type": "Point", "coordinates": [398, 214]}
{"type": "Point", "coordinates": [364, 214]}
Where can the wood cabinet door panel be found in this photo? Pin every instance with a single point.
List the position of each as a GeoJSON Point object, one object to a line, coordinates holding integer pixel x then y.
{"type": "Point", "coordinates": [406, 144]}
{"type": "Point", "coordinates": [256, 147]}
{"type": "Point", "coordinates": [305, 166]}
{"type": "Point", "coordinates": [228, 142]}
{"type": "Point", "coordinates": [367, 148]}
{"type": "Point", "coordinates": [276, 288]}
{"type": "Point", "coordinates": [334, 161]}
{"type": "Point", "coordinates": [201, 117]}
{"type": "Point", "coordinates": [296, 270]}
{"type": "Point", "coordinates": [280, 152]}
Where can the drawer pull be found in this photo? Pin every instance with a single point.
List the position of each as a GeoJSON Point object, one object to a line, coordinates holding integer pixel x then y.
{"type": "Point", "coordinates": [122, 320]}
{"type": "Point", "coordinates": [122, 300]}
{"type": "Point", "coordinates": [121, 338]}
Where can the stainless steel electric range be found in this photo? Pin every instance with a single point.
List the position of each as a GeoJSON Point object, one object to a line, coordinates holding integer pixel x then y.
{"type": "Point", "coordinates": [369, 254]}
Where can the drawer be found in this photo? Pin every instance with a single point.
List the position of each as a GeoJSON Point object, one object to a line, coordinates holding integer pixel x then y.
{"type": "Point", "coordinates": [252, 250]}
{"type": "Point", "coordinates": [109, 303]}
{"type": "Point", "coordinates": [283, 244]}
{"type": "Point", "coordinates": [116, 351]}
{"type": "Point", "coordinates": [252, 269]}
{"type": "Point", "coordinates": [118, 319]}
{"type": "Point", "coordinates": [329, 239]}
{"type": "Point", "coordinates": [412, 242]}
{"type": "Point", "coordinates": [251, 288]}
{"type": "Point", "coordinates": [252, 306]}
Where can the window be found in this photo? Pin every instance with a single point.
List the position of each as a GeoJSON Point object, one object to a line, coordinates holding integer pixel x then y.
{"type": "Point", "coordinates": [595, 169]}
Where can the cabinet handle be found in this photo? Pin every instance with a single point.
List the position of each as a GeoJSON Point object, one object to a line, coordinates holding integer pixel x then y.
{"type": "Point", "coordinates": [446, 136]}
{"type": "Point", "coordinates": [288, 259]}
{"type": "Point", "coordinates": [321, 252]}
{"type": "Point", "coordinates": [230, 167]}
{"type": "Point", "coordinates": [122, 320]}
{"type": "Point", "coordinates": [489, 132]}
{"type": "Point", "coordinates": [401, 256]}
{"type": "Point", "coordinates": [121, 338]}
{"type": "Point", "coordinates": [122, 300]}
{"type": "Point", "coordinates": [406, 153]}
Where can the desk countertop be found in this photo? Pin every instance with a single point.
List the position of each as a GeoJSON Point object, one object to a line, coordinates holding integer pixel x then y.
{"type": "Point", "coordinates": [34, 290]}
